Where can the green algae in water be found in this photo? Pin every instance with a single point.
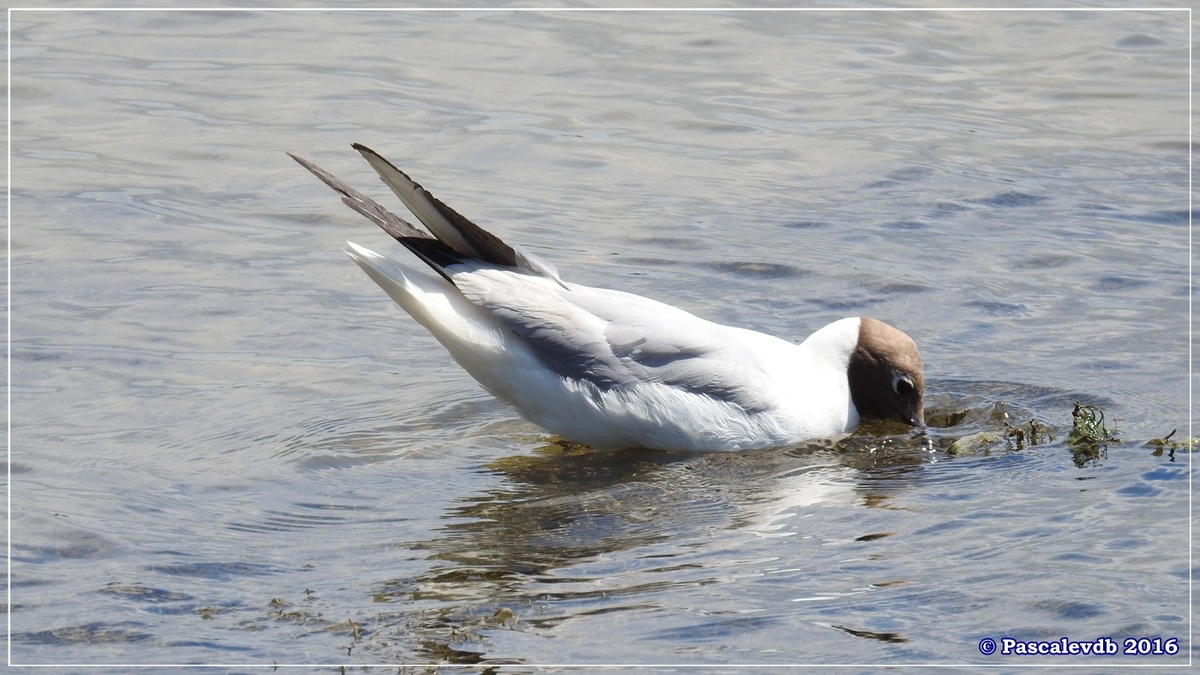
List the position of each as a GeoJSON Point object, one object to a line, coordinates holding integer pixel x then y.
{"type": "Point", "coordinates": [1089, 438]}
{"type": "Point", "coordinates": [1088, 426]}
{"type": "Point", "coordinates": [975, 443]}
{"type": "Point", "coordinates": [1170, 446]}
{"type": "Point", "coordinates": [1011, 438]}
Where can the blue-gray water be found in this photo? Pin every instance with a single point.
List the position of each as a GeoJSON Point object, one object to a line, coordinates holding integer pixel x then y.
{"type": "Point", "coordinates": [229, 447]}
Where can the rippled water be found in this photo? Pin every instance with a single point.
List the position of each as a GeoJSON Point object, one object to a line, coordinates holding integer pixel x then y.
{"type": "Point", "coordinates": [228, 447]}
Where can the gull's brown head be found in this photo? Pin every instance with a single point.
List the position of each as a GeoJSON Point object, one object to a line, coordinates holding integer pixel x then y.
{"type": "Point", "coordinates": [886, 379]}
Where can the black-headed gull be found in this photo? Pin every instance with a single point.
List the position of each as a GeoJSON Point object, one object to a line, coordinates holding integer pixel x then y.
{"type": "Point", "coordinates": [612, 369]}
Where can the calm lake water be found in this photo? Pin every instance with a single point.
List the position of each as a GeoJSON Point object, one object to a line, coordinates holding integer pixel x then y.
{"type": "Point", "coordinates": [228, 446]}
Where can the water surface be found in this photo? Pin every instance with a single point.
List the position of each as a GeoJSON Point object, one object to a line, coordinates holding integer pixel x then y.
{"type": "Point", "coordinates": [229, 447]}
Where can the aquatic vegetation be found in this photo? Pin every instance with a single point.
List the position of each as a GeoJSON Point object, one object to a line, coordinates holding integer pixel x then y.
{"type": "Point", "coordinates": [987, 428]}
{"type": "Point", "coordinates": [445, 634]}
{"type": "Point", "coordinates": [1165, 443]}
{"type": "Point", "coordinates": [964, 425]}
{"type": "Point", "coordinates": [999, 432]}
{"type": "Point", "coordinates": [1088, 426]}
{"type": "Point", "coordinates": [1037, 435]}
{"type": "Point", "coordinates": [1089, 438]}
{"type": "Point", "coordinates": [979, 442]}
{"type": "Point", "coordinates": [1012, 438]}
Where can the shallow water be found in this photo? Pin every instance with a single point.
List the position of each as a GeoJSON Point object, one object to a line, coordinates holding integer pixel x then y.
{"type": "Point", "coordinates": [228, 447]}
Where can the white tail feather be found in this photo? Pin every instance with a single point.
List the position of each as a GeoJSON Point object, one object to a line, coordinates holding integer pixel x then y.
{"type": "Point", "coordinates": [490, 353]}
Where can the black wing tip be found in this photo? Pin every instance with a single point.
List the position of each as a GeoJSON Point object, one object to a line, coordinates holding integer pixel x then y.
{"type": "Point", "coordinates": [364, 150]}
{"type": "Point", "coordinates": [482, 245]}
{"type": "Point", "coordinates": [434, 253]}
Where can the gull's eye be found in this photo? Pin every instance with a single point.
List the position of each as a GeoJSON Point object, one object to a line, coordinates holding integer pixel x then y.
{"type": "Point", "coordinates": [902, 384]}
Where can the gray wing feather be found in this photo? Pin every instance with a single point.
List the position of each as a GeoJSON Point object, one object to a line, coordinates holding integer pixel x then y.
{"type": "Point", "coordinates": [615, 340]}
{"type": "Point", "coordinates": [448, 225]}
{"type": "Point", "coordinates": [390, 222]}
